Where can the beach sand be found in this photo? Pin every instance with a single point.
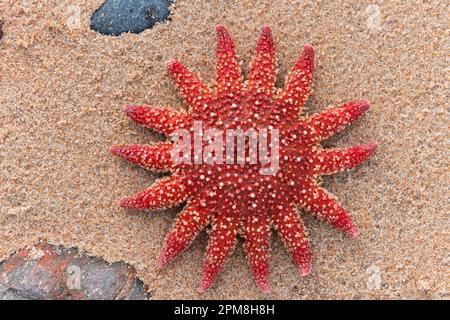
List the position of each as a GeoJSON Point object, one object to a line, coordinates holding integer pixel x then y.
{"type": "Point", "coordinates": [63, 87]}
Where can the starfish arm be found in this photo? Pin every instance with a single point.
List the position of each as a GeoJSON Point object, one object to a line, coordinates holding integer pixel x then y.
{"type": "Point", "coordinates": [228, 72]}
{"type": "Point", "coordinates": [261, 79]}
{"type": "Point", "coordinates": [330, 121]}
{"type": "Point", "coordinates": [298, 85]}
{"type": "Point", "coordinates": [165, 193]}
{"type": "Point", "coordinates": [323, 204]}
{"type": "Point", "coordinates": [191, 221]}
{"type": "Point", "coordinates": [256, 247]}
{"type": "Point", "coordinates": [221, 243]}
{"type": "Point", "coordinates": [329, 161]}
{"type": "Point", "coordinates": [194, 92]}
{"type": "Point", "coordinates": [156, 157]}
{"type": "Point", "coordinates": [290, 229]}
{"type": "Point", "coordinates": [162, 120]}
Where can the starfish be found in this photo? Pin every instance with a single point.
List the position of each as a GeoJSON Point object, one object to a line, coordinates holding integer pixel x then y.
{"type": "Point", "coordinates": [236, 199]}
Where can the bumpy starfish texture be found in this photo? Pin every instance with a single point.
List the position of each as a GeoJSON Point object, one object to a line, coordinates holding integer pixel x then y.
{"type": "Point", "coordinates": [235, 199]}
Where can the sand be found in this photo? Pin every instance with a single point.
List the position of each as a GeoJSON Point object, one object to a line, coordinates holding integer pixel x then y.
{"type": "Point", "coordinates": [63, 87]}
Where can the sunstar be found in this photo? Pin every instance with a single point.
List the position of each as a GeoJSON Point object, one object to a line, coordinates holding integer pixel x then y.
{"type": "Point", "coordinates": [236, 199]}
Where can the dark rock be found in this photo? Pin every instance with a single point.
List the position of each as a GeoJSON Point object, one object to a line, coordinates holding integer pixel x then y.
{"type": "Point", "coordinates": [48, 272]}
{"type": "Point", "coordinates": [115, 17]}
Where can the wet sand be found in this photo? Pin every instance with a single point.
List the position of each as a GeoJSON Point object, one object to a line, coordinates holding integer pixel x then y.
{"type": "Point", "coordinates": [62, 90]}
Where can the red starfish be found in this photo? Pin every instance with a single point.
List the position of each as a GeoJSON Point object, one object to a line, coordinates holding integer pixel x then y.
{"type": "Point", "coordinates": [235, 198]}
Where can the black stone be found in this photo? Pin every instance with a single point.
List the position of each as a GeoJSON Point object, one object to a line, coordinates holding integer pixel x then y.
{"type": "Point", "coordinates": [115, 17]}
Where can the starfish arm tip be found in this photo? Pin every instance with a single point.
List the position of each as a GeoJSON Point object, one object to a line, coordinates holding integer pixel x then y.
{"type": "Point", "coordinates": [204, 285]}
{"type": "Point", "coordinates": [308, 52]}
{"type": "Point", "coordinates": [114, 150]}
{"type": "Point", "coordinates": [118, 150]}
{"type": "Point", "coordinates": [133, 111]}
{"type": "Point", "coordinates": [224, 42]}
{"type": "Point", "coordinates": [304, 270]}
{"type": "Point", "coordinates": [224, 39]}
{"type": "Point", "coordinates": [370, 148]}
{"type": "Point", "coordinates": [361, 105]}
{"type": "Point", "coordinates": [123, 203]}
{"type": "Point", "coordinates": [161, 262]}
{"type": "Point", "coordinates": [308, 47]}
{"type": "Point", "coordinates": [130, 203]}
{"type": "Point", "coordinates": [172, 64]}
{"type": "Point", "coordinates": [264, 285]}
{"type": "Point", "coordinates": [221, 29]}
{"type": "Point", "coordinates": [265, 41]}
{"type": "Point", "coordinates": [265, 30]}
{"type": "Point", "coordinates": [136, 113]}
{"type": "Point", "coordinates": [373, 145]}
{"type": "Point", "coordinates": [128, 109]}
{"type": "Point", "coordinates": [353, 232]}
